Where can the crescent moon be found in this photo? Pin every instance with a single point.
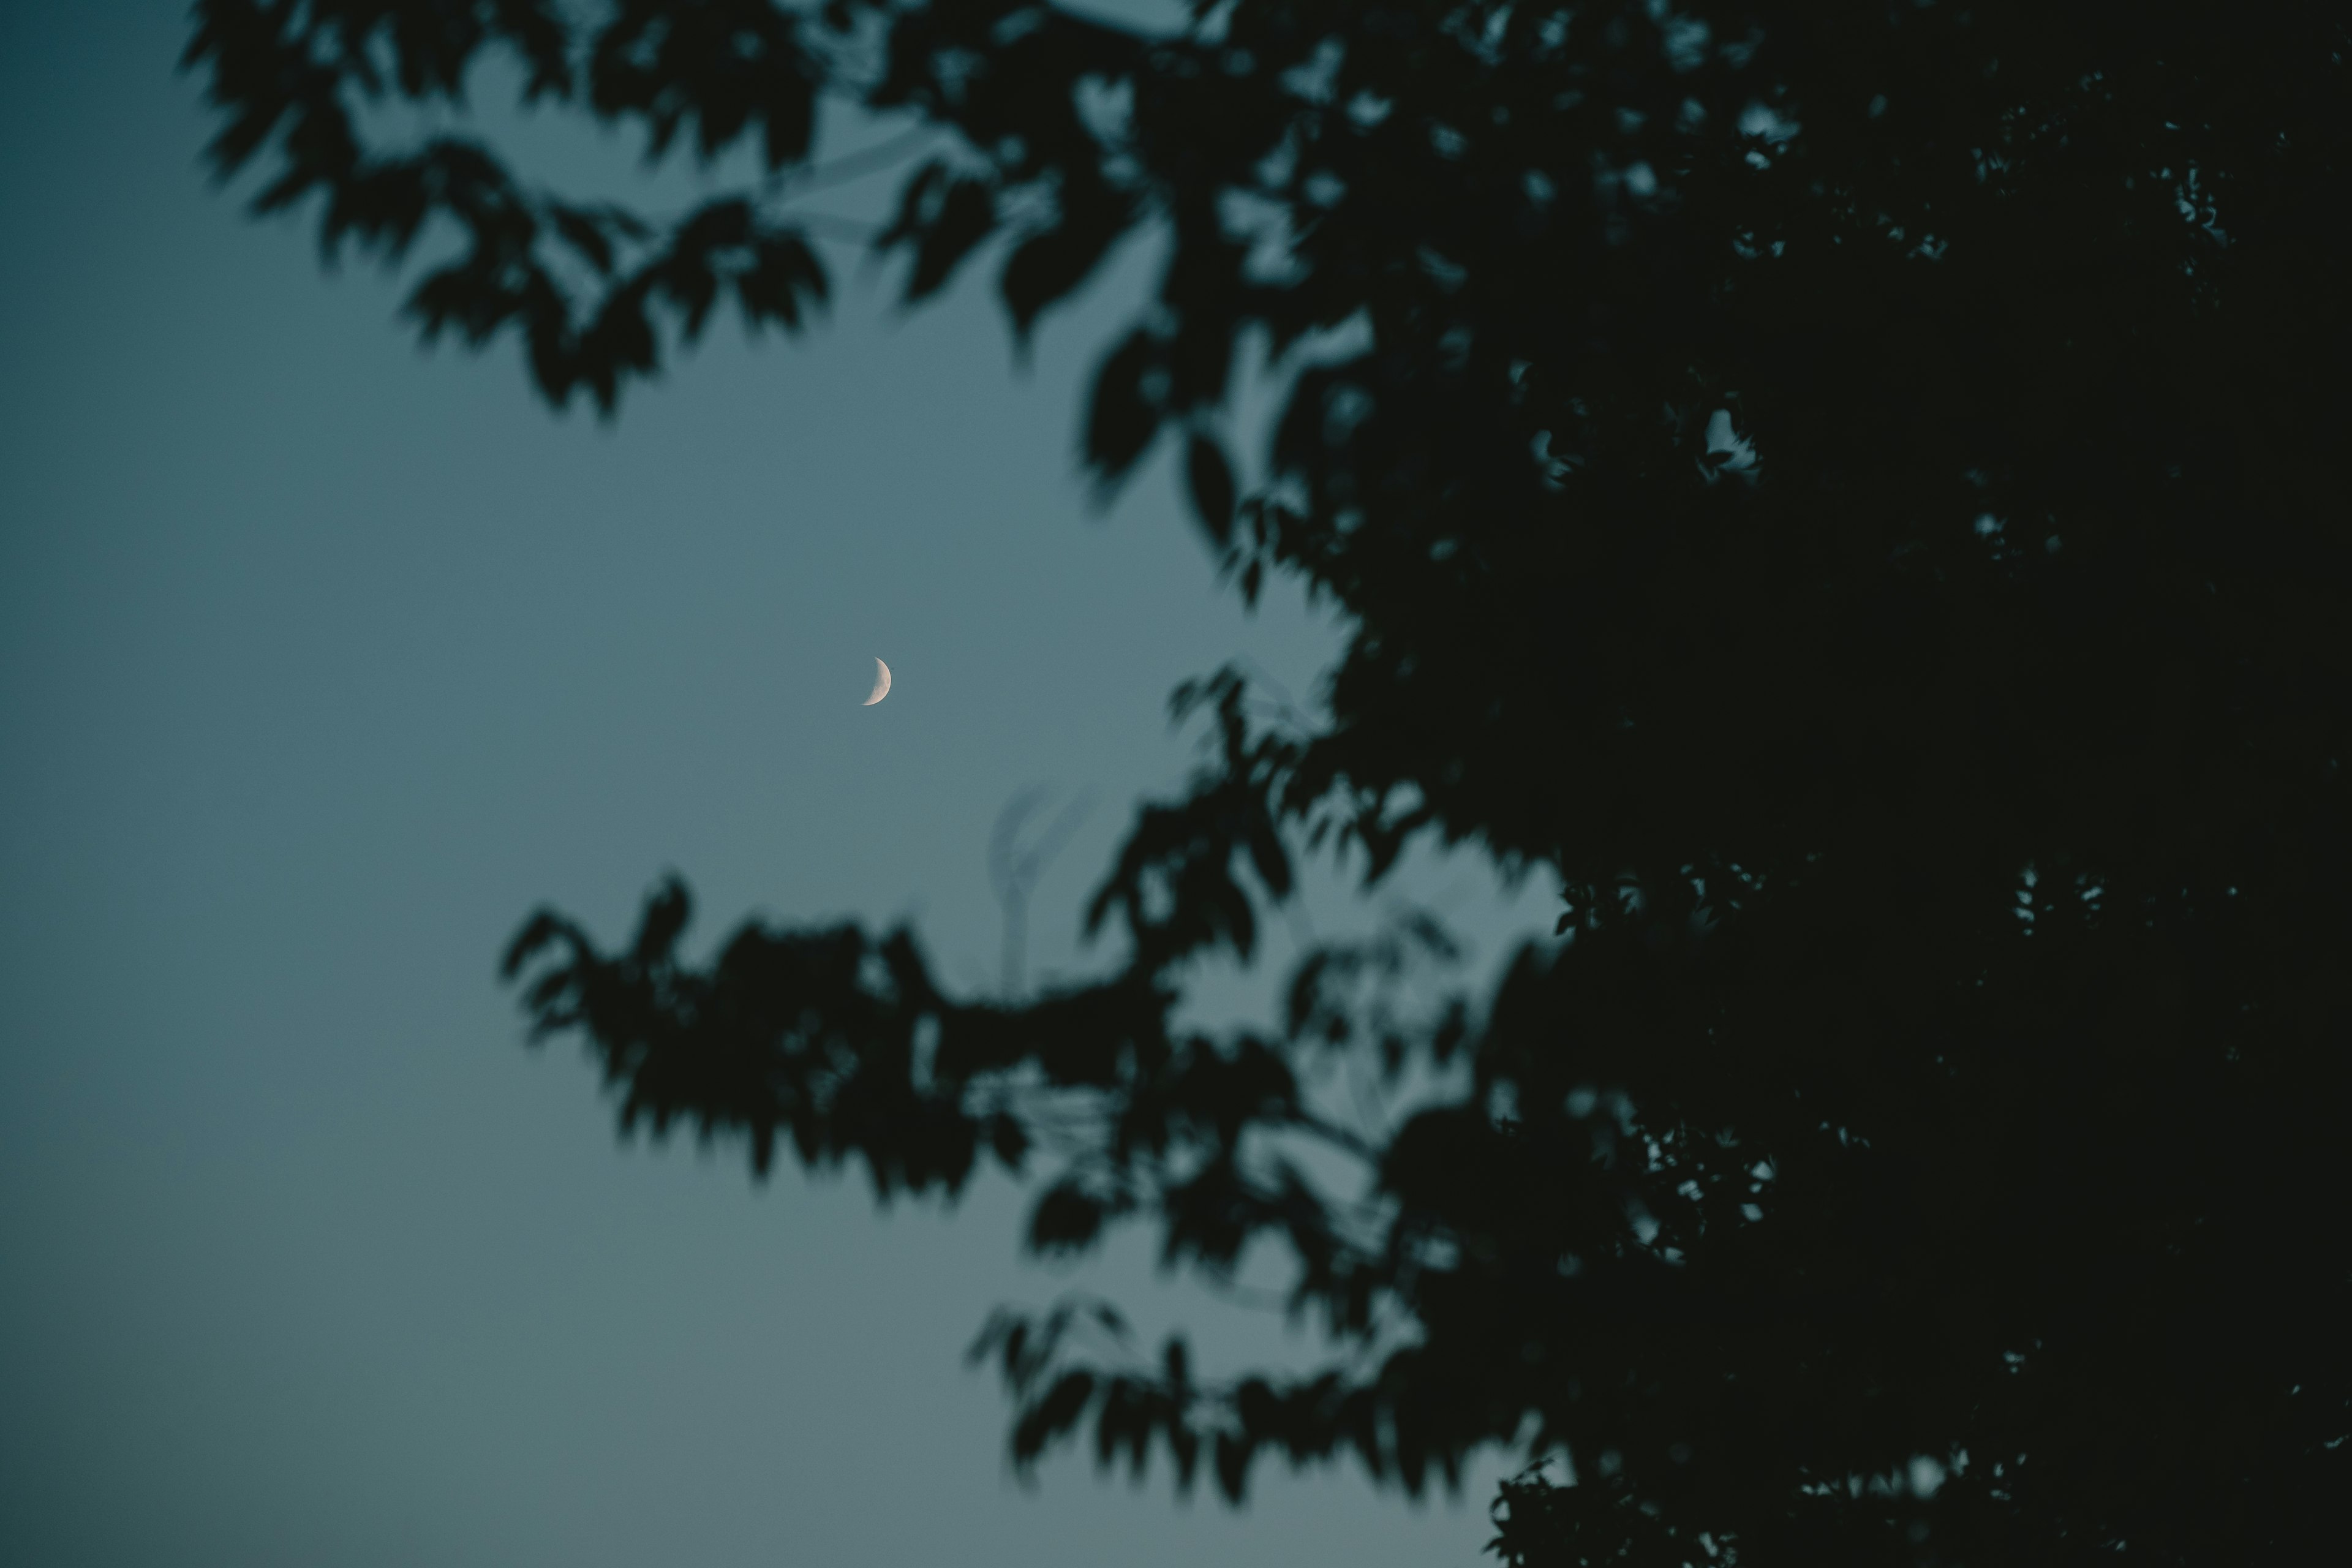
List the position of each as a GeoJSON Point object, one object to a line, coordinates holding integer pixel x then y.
{"type": "Point", "coordinates": [881, 683]}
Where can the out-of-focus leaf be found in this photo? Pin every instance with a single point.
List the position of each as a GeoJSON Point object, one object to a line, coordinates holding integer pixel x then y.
{"type": "Point", "coordinates": [965, 214]}
{"type": "Point", "coordinates": [1123, 415]}
{"type": "Point", "coordinates": [1064, 1218]}
{"type": "Point", "coordinates": [1049, 263]}
{"type": "Point", "coordinates": [1210, 480]}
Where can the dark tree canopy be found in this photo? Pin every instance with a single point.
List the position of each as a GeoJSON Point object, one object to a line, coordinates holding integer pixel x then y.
{"type": "Point", "coordinates": [1854, 490]}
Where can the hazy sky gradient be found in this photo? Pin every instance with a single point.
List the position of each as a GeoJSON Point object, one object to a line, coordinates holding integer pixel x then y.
{"type": "Point", "coordinates": [323, 661]}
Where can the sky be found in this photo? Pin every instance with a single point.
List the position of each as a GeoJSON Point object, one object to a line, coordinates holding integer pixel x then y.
{"type": "Point", "coordinates": [324, 660]}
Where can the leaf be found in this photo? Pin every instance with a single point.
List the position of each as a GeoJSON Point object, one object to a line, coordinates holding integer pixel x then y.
{"type": "Point", "coordinates": [1052, 1417]}
{"type": "Point", "coordinates": [966, 214]}
{"type": "Point", "coordinates": [1235, 1453]}
{"type": "Point", "coordinates": [919, 201]}
{"type": "Point", "coordinates": [1267, 854]}
{"type": "Point", "coordinates": [1050, 264]}
{"type": "Point", "coordinates": [620, 341]}
{"type": "Point", "coordinates": [667, 909]}
{"type": "Point", "coordinates": [692, 284]}
{"type": "Point", "coordinates": [543, 929]}
{"type": "Point", "coordinates": [1185, 1444]}
{"type": "Point", "coordinates": [1000, 1327]}
{"type": "Point", "coordinates": [1009, 1141]}
{"type": "Point", "coordinates": [1211, 481]}
{"type": "Point", "coordinates": [727, 221]}
{"type": "Point", "coordinates": [1066, 1218]}
{"type": "Point", "coordinates": [785, 273]}
{"type": "Point", "coordinates": [1121, 416]}
{"type": "Point", "coordinates": [580, 231]}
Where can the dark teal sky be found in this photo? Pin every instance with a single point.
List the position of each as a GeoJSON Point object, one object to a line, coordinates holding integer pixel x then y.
{"type": "Point", "coordinates": [323, 660]}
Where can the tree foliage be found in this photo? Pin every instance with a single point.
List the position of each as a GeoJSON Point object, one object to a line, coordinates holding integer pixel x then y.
{"type": "Point", "coordinates": [1853, 489]}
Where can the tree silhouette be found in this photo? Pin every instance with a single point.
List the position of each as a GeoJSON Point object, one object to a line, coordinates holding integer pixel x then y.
{"type": "Point", "coordinates": [1853, 489]}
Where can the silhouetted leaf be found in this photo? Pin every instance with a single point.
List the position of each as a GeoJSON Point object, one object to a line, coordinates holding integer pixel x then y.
{"type": "Point", "coordinates": [1050, 263]}
{"type": "Point", "coordinates": [1064, 1218]}
{"type": "Point", "coordinates": [1211, 479]}
{"type": "Point", "coordinates": [1123, 415]}
{"type": "Point", "coordinates": [965, 214]}
{"type": "Point", "coordinates": [785, 278]}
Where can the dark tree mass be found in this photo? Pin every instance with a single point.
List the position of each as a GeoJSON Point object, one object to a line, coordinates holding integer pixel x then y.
{"type": "Point", "coordinates": [1854, 489]}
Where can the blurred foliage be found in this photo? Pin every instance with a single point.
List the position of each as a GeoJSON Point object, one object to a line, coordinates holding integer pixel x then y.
{"type": "Point", "coordinates": [1853, 489]}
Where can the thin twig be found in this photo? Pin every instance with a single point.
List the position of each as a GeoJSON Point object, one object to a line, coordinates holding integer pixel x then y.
{"type": "Point", "coordinates": [852, 166]}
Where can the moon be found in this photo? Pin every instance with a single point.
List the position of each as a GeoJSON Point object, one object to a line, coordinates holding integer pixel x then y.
{"type": "Point", "coordinates": [881, 683]}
